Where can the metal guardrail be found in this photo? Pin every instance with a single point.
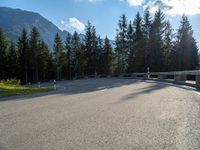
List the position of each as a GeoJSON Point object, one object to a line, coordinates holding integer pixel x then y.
{"type": "Point", "coordinates": [175, 76]}
{"type": "Point", "coordinates": [179, 76]}
{"type": "Point", "coordinates": [193, 72]}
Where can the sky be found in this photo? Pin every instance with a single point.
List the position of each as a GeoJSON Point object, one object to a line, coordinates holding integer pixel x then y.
{"type": "Point", "coordinates": [73, 15]}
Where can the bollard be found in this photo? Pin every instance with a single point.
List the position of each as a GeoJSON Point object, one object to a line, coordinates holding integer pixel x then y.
{"type": "Point", "coordinates": [39, 85]}
{"type": "Point", "coordinates": [148, 73]}
{"type": "Point", "coordinates": [54, 84]}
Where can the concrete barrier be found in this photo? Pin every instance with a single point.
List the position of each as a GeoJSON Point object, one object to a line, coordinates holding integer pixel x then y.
{"type": "Point", "coordinates": [179, 76]}
{"type": "Point", "coordinates": [198, 81]}
{"type": "Point", "coordinates": [161, 76]}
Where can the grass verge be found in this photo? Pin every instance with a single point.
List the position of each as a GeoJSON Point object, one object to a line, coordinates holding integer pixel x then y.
{"type": "Point", "coordinates": [10, 90]}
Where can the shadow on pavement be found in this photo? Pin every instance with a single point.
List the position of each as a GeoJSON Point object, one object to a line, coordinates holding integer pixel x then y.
{"type": "Point", "coordinates": [157, 85]}
{"type": "Point", "coordinates": [145, 90]}
{"type": "Point", "coordinates": [91, 85]}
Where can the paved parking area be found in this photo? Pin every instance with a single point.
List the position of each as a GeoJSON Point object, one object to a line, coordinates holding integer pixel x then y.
{"type": "Point", "coordinates": [103, 114]}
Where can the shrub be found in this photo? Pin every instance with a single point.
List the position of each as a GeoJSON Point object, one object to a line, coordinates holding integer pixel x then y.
{"type": "Point", "coordinates": [11, 81]}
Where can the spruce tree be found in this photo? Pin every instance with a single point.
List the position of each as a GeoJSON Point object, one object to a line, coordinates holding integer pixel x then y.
{"type": "Point", "coordinates": [117, 54]}
{"type": "Point", "coordinates": [89, 49]}
{"type": "Point", "coordinates": [12, 62]}
{"type": "Point", "coordinates": [51, 67]}
{"type": "Point", "coordinates": [187, 47]}
{"type": "Point", "coordinates": [3, 47]}
{"type": "Point", "coordinates": [82, 60]}
{"type": "Point", "coordinates": [23, 49]}
{"type": "Point", "coordinates": [168, 46]}
{"type": "Point", "coordinates": [100, 56]}
{"type": "Point", "coordinates": [34, 52]}
{"type": "Point", "coordinates": [130, 48]}
{"type": "Point", "coordinates": [94, 51]}
{"type": "Point", "coordinates": [43, 60]}
{"type": "Point", "coordinates": [139, 44]}
{"type": "Point", "coordinates": [146, 27]}
{"type": "Point", "coordinates": [68, 48]}
{"type": "Point", "coordinates": [107, 57]}
{"type": "Point", "coordinates": [58, 55]}
{"type": "Point", "coordinates": [76, 55]}
{"type": "Point", "coordinates": [122, 45]}
{"type": "Point", "coordinates": [156, 58]}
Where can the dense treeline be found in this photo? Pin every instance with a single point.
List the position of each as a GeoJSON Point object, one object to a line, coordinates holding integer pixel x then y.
{"type": "Point", "coordinates": [148, 42]}
{"type": "Point", "coordinates": [144, 42]}
{"type": "Point", "coordinates": [31, 60]}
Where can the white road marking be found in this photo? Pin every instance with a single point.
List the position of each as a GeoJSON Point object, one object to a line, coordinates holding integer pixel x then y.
{"type": "Point", "coordinates": [104, 90]}
{"type": "Point", "coordinates": [197, 92]}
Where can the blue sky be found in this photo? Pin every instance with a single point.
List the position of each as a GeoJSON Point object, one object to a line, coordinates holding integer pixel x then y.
{"type": "Point", "coordinates": [72, 15]}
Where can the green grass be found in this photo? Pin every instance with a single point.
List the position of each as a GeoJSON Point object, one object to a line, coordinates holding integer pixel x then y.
{"type": "Point", "coordinates": [9, 90]}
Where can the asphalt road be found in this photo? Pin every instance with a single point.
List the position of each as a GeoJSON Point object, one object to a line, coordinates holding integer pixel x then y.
{"type": "Point", "coordinates": [103, 114]}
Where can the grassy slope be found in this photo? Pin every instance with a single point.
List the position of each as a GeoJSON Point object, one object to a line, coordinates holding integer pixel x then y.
{"type": "Point", "coordinates": [8, 90]}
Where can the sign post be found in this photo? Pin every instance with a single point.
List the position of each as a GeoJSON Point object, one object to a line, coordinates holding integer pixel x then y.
{"type": "Point", "coordinates": [148, 73]}
{"type": "Point", "coordinates": [39, 85]}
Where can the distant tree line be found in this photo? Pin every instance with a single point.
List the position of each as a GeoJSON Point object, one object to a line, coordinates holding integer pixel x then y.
{"type": "Point", "coordinates": [141, 43]}
{"type": "Point", "coordinates": [30, 59]}
{"type": "Point", "coordinates": [152, 43]}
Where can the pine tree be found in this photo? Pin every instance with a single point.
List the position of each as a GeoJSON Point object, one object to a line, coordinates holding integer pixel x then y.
{"type": "Point", "coordinates": [35, 52]}
{"type": "Point", "coordinates": [76, 55]}
{"type": "Point", "coordinates": [187, 48]}
{"type": "Point", "coordinates": [139, 44]}
{"type": "Point", "coordinates": [90, 47]}
{"type": "Point", "coordinates": [3, 47]}
{"type": "Point", "coordinates": [94, 51]}
{"type": "Point", "coordinates": [168, 46]}
{"type": "Point", "coordinates": [23, 49]}
{"type": "Point", "coordinates": [82, 60]}
{"type": "Point", "coordinates": [58, 54]}
{"type": "Point", "coordinates": [100, 56]}
{"type": "Point", "coordinates": [51, 73]}
{"type": "Point", "coordinates": [122, 51]}
{"type": "Point", "coordinates": [117, 54]}
{"type": "Point", "coordinates": [107, 56]}
{"type": "Point", "coordinates": [130, 48]}
{"type": "Point", "coordinates": [68, 48]}
{"type": "Point", "coordinates": [146, 27]}
{"type": "Point", "coordinates": [43, 60]}
{"type": "Point", "coordinates": [156, 58]}
{"type": "Point", "coordinates": [12, 62]}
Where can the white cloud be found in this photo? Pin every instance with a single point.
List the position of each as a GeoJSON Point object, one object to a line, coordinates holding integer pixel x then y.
{"type": "Point", "coordinates": [62, 22]}
{"type": "Point", "coordinates": [133, 2]}
{"type": "Point", "coordinates": [175, 7]}
{"type": "Point", "coordinates": [74, 23]}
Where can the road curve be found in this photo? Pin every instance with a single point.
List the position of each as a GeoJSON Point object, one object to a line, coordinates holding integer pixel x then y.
{"type": "Point", "coordinates": [108, 114]}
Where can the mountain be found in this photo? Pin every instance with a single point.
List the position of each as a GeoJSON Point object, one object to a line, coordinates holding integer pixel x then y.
{"type": "Point", "coordinates": [12, 21]}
